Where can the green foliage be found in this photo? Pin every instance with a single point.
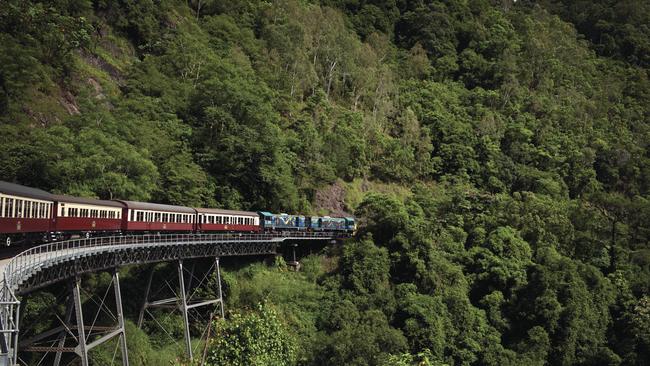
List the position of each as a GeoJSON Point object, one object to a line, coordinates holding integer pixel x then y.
{"type": "Point", "coordinates": [257, 338]}
{"type": "Point", "coordinates": [495, 153]}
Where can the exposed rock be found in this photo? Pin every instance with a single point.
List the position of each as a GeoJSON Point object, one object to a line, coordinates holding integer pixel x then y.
{"type": "Point", "coordinates": [69, 102]}
{"type": "Point", "coordinates": [99, 91]}
{"type": "Point", "coordinates": [100, 63]}
{"type": "Point", "coordinates": [332, 199]}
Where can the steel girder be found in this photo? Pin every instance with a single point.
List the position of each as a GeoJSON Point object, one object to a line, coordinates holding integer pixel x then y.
{"type": "Point", "coordinates": [124, 256]}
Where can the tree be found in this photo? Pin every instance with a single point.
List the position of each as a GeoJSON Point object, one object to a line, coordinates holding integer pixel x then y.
{"type": "Point", "coordinates": [255, 338]}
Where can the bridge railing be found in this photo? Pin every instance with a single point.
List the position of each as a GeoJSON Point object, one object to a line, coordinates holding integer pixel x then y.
{"type": "Point", "coordinates": [30, 259]}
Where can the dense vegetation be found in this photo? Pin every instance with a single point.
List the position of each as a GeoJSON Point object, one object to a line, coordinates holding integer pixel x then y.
{"type": "Point", "coordinates": [496, 151]}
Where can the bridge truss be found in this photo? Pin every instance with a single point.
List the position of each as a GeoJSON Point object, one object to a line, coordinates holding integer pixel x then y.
{"type": "Point", "coordinates": [50, 263]}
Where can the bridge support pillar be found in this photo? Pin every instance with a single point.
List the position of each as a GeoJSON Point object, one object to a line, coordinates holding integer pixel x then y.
{"type": "Point", "coordinates": [184, 309]}
{"type": "Point", "coordinates": [81, 349]}
{"type": "Point", "coordinates": [184, 300]}
{"type": "Point", "coordinates": [120, 317]}
{"type": "Point", "coordinates": [80, 332]}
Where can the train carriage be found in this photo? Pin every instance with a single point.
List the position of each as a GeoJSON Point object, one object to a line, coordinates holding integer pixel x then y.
{"type": "Point", "coordinates": [211, 219]}
{"type": "Point", "coordinates": [74, 215]}
{"type": "Point", "coordinates": [23, 211]}
{"type": "Point", "coordinates": [156, 217]}
{"type": "Point", "coordinates": [282, 221]}
{"type": "Point", "coordinates": [327, 223]}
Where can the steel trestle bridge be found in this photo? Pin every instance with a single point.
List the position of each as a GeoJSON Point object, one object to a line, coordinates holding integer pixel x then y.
{"type": "Point", "coordinates": [47, 264]}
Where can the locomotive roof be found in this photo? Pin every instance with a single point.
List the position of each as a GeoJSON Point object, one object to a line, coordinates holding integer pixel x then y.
{"type": "Point", "coordinates": [219, 211]}
{"type": "Point", "coordinates": [87, 201]}
{"type": "Point", "coordinates": [157, 207]}
{"type": "Point", "coordinates": [19, 190]}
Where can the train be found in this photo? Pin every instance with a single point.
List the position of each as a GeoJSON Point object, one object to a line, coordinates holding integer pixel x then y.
{"type": "Point", "coordinates": [34, 215]}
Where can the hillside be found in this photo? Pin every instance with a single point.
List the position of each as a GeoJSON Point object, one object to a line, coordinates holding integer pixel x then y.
{"type": "Point", "coordinates": [496, 153]}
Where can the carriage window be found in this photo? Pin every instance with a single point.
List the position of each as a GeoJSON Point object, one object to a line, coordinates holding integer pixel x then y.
{"type": "Point", "coordinates": [165, 217]}
{"type": "Point", "coordinates": [140, 216]}
{"type": "Point", "coordinates": [2, 209]}
{"type": "Point", "coordinates": [9, 207]}
{"type": "Point", "coordinates": [19, 208]}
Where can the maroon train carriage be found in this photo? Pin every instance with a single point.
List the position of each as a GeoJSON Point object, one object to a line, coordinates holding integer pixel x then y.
{"type": "Point", "coordinates": [24, 212]}
{"type": "Point", "coordinates": [155, 217]}
{"type": "Point", "coordinates": [74, 215]}
{"type": "Point", "coordinates": [212, 219]}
